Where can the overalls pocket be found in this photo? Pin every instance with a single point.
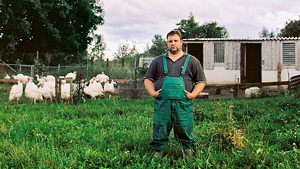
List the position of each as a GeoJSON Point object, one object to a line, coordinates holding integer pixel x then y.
{"type": "Point", "coordinates": [173, 88]}
{"type": "Point", "coordinates": [174, 91]}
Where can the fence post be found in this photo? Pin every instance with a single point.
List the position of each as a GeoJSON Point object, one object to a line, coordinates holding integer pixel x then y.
{"type": "Point", "coordinates": [236, 90]}
{"type": "Point", "coordinates": [107, 66]}
{"type": "Point", "coordinates": [32, 70]}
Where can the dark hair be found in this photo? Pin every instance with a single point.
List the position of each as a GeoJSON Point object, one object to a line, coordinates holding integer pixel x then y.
{"type": "Point", "coordinates": [174, 32]}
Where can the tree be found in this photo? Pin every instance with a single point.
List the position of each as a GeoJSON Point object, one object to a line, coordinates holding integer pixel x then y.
{"type": "Point", "coordinates": [97, 50]}
{"type": "Point", "coordinates": [190, 29]}
{"type": "Point", "coordinates": [211, 30]}
{"type": "Point", "coordinates": [159, 46]}
{"type": "Point", "coordinates": [61, 28]}
{"type": "Point", "coordinates": [291, 29]}
{"type": "Point", "coordinates": [126, 52]}
{"type": "Point", "coordinates": [266, 34]}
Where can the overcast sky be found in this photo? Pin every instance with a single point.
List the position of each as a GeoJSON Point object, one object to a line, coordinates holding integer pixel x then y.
{"type": "Point", "coordinates": [137, 21]}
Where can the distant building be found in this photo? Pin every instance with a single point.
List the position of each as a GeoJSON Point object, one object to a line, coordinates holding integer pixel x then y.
{"type": "Point", "coordinates": [145, 60]}
{"type": "Point", "coordinates": [230, 61]}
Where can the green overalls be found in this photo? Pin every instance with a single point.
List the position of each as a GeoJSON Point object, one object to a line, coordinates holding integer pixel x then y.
{"type": "Point", "coordinates": [172, 107]}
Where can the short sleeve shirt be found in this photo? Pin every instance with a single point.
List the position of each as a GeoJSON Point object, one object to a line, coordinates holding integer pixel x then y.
{"type": "Point", "coordinates": [194, 72]}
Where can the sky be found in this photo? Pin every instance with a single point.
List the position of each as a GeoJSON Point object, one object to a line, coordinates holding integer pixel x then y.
{"type": "Point", "coordinates": [137, 21]}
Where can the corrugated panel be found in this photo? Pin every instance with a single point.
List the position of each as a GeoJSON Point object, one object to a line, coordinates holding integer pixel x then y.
{"type": "Point", "coordinates": [208, 57]}
{"type": "Point", "coordinates": [242, 39]}
{"type": "Point", "coordinates": [288, 53]}
{"type": "Point", "coordinates": [295, 81]}
{"type": "Point", "coordinates": [219, 52]}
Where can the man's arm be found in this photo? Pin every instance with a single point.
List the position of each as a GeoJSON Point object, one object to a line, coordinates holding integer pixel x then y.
{"type": "Point", "coordinates": [197, 90]}
{"type": "Point", "coordinates": [149, 85]}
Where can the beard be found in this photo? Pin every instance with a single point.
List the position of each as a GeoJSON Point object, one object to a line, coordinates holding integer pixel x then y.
{"type": "Point", "coordinates": [174, 51]}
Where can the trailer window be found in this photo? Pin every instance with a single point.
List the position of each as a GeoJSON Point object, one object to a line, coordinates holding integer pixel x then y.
{"type": "Point", "coordinates": [288, 54]}
{"type": "Point", "coordinates": [219, 52]}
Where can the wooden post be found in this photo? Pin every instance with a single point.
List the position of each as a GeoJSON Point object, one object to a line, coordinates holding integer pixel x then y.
{"type": "Point", "coordinates": [236, 90]}
{"type": "Point", "coordinates": [279, 75]}
{"type": "Point", "coordinates": [107, 67]}
{"type": "Point", "coordinates": [71, 90]}
{"type": "Point", "coordinates": [59, 89]}
{"type": "Point", "coordinates": [56, 90]}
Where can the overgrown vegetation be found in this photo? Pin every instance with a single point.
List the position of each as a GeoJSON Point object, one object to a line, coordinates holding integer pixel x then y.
{"type": "Point", "coordinates": [115, 133]}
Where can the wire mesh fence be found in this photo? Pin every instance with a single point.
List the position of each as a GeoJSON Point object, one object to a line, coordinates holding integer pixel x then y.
{"type": "Point", "coordinates": [129, 82]}
{"type": "Point", "coordinates": [88, 70]}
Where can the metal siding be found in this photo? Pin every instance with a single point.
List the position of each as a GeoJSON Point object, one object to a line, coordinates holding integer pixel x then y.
{"type": "Point", "coordinates": [219, 52]}
{"type": "Point", "coordinates": [226, 53]}
{"type": "Point", "coordinates": [288, 53]}
{"type": "Point", "coordinates": [229, 55]}
{"type": "Point", "coordinates": [208, 55]}
{"type": "Point", "coordinates": [232, 55]}
{"type": "Point", "coordinates": [237, 56]}
{"type": "Point", "coordinates": [266, 53]}
{"type": "Point", "coordinates": [272, 51]}
{"type": "Point", "coordinates": [276, 55]}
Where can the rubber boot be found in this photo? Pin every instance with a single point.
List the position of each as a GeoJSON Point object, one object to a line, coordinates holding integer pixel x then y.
{"type": "Point", "coordinates": [158, 153]}
{"type": "Point", "coordinates": [187, 153]}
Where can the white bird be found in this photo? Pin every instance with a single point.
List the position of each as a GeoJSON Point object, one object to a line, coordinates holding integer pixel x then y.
{"type": "Point", "coordinates": [21, 76]}
{"type": "Point", "coordinates": [51, 85]}
{"type": "Point", "coordinates": [65, 91]}
{"type": "Point", "coordinates": [50, 78]}
{"type": "Point", "coordinates": [252, 91]}
{"type": "Point", "coordinates": [16, 91]}
{"type": "Point", "coordinates": [32, 91]}
{"type": "Point", "coordinates": [72, 75]}
{"type": "Point", "coordinates": [94, 89]}
{"type": "Point", "coordinates": [41, 80]}
{"type": "Point", "coordinates": [102, 78]}
{"type": "Point", "coordinates": [46, 92]}
{"type": "Point", "coordinates": [109, 87]}
{"type": "Point", "coordinates": [7, 76]}
{"type": "Point", "coordinates": [18, 76]}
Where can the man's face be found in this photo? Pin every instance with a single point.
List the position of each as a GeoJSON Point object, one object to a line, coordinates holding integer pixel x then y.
{"type": "Point", "coordinates": [174, 44]}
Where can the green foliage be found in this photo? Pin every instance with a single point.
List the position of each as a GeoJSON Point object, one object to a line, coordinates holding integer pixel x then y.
{"type": "Point", "coordinates": [266, 34]}
{"type": "Point", "coordinates": [190, 29]}
{"type": "Point", "coordinates": [126, 52]}
{"type": "Point", "coordinates": [115, 133]}
{"type": "Point", "coordinates": [159, 47]}
{"type": "Point", "coordinates": [61, 28]}
{"type": "Point", "coordinates": [291, 29]}
{"type": "Point", "coordinates": [211, 30]}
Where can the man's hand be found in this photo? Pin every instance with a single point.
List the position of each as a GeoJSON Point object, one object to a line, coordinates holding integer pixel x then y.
{"type": "Point", "coordinates": [197, 90]}
{"type": "Point", "coordinates": [189, 94]}
{"type": "Point", "coordinates": [156, 93]}
{"type": "Point", "coordinates": [149, 85]}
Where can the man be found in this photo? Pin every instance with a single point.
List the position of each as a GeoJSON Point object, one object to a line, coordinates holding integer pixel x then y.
{"type": "Point", "coordinates": [174, 80]}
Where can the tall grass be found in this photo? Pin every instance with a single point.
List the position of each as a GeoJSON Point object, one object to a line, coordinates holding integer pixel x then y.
{"type": "Point", "coordinates": [115, 133]}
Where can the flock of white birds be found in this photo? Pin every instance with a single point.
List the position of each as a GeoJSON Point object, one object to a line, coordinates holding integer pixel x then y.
{"type": "Point", "coordinates": [44, 90]}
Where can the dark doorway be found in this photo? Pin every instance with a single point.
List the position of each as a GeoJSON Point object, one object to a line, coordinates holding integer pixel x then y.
{"type": "Point", "coordinates": [251, 63]}
{"type": "Point", "coordinates": [196, 50]}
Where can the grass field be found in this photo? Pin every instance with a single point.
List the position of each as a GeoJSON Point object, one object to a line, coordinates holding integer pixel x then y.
{"type": "Point", "coordinates": [115, 133]}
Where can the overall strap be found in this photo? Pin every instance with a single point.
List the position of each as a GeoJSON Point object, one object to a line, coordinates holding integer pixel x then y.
{"type": "Point", "coordinates": [185, 64]}
{"type": "Point", "coordinates": [165, 65]}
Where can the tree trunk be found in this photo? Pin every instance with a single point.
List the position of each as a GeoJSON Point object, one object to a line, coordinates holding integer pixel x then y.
{"type": "Point", "coordinates": [1, 50]}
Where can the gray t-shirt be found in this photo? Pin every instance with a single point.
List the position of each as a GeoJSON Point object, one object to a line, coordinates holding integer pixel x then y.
{"type": "Point", "coordinates": [194, 72]}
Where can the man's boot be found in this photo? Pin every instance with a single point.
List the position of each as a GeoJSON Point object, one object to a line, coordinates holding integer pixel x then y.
{"type": "Point", "coordinates": [158, 153]}
{"type": "Point", "coordinates": [187, 153]}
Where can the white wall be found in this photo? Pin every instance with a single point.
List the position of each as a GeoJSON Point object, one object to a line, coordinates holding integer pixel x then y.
{"type": "Point", "coordinates": [287, 73]}
{"type": "Point", "coordinates": [221, 76]}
